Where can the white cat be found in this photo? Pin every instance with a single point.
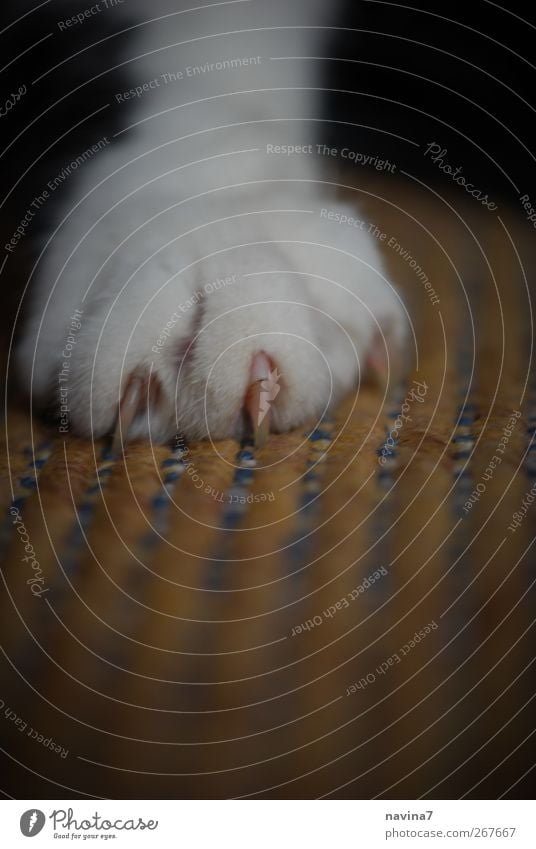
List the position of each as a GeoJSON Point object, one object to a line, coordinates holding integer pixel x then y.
{"type": "Point", "coordinates": [206, 246]}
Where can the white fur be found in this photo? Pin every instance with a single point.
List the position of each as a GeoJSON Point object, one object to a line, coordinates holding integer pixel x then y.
{"type": "Point", "coordinates": [189, 196]}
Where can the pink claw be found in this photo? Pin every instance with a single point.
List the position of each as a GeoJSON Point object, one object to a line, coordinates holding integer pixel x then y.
{"type": "Point", "coordinates": [263, 390]}
{"type": "Point", "coordinates": [138, 396]}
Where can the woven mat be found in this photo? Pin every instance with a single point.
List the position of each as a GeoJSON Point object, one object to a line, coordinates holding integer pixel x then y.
{"type": "Point", "coordinates": [341, 615]}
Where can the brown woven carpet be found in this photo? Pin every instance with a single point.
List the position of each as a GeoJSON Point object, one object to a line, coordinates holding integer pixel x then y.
{"type": "Point", "coordinates": [322, 619]}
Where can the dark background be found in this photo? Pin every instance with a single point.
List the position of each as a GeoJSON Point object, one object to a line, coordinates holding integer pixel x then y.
{"type": "Point", "coordinates": [460, 74]}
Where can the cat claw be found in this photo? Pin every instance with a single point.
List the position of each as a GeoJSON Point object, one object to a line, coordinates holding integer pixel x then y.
{"type": "Point", "coordinates": [260, 426]}
{"type": "Point", "coordinates": [141, 397]}
{"type": "Point", "coordinates": [263, 389]}
{"type": "Point", "coordinates": [129, 406]}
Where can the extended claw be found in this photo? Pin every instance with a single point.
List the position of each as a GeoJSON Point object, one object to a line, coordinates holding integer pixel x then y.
{"type": "Point", "coordinates": [129, 407]}
{"type": "Point", "coordinates": [263, 390]}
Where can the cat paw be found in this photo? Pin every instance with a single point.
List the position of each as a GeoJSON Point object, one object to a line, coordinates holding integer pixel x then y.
{"type": "Point", "coordinates": [271, 336]}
